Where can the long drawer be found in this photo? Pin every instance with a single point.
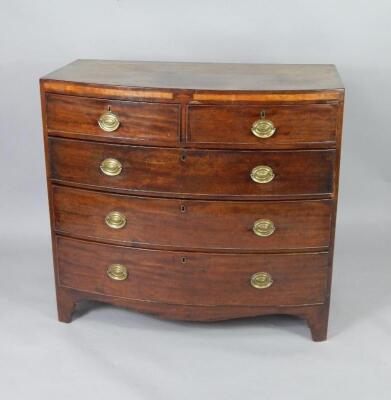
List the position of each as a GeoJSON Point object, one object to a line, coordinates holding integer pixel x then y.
{"type": "Point", "coordinates": [192, 224]}
{"type": "Point", "coordinates": [192, 278]}
{"type": "Point", "coordinates": [202, 173]}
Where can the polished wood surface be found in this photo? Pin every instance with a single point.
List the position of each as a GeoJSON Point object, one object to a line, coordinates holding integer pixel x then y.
{"type": "Point", "coordinates": [296, 126]}
{"type": "Point", "coordinates": [201, 76]}
{"type": "Point", "coordinates": [140, 122]}
{"type": "Point", "coordinates": [216, 225]}
{"type": "Point", "coordinates": [316, 315]}
{"type": "Point", "coordinates": [193, 173]}
{"type": "Point", "coordinates": [205, 279]}
{"type": "Point", "coordinates": [186, 149]}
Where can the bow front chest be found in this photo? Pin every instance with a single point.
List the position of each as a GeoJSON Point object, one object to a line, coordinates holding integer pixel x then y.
{"type": "Point", "coordinates": [194, 191]}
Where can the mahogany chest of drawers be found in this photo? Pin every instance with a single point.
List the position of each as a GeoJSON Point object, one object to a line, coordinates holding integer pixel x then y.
{"type": "Point", "coordinates": [194, 191]}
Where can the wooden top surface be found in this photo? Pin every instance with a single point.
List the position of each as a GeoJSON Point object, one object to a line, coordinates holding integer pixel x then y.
{"type": "Point", "coordinates": [201, 76]}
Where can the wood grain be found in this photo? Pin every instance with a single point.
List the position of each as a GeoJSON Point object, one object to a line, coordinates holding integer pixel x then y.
{"type": "Point", "coordinates": [231, 124]}
{"type": "Point", "coordinates": [193, 173]}
{"type": "Point", "coordinates": [192, 224]}
{"type": "Point", "coordinates": [203, 279]}
{"type": "Point", "coordinates": [316, 315]}
{"type": "Point", "coordinates": [186, 189]}
{"type": "Point", "coordinates": [140, 122]}
{"type": "Point", "coordinates": [272, 97]}
{"type": "Point", "coordinates": [201, 76]}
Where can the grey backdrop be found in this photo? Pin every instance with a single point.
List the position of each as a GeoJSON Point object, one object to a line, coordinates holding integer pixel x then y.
{"type": "Point", "coordinates": [117, 353]}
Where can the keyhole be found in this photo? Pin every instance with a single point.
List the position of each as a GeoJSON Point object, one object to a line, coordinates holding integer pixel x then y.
{"type": "Point", "coordinates": [184, 259]}
{"type": "Point", "coordinates": [183, 208]}
{"type": "Point", "coordinates": [183, 157]}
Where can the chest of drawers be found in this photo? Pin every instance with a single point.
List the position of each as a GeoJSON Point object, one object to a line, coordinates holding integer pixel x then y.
{"type": "Point", "coordinates": [194, 191]}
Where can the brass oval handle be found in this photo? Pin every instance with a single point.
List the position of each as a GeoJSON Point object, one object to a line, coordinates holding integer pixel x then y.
{"type": "Point", "coordinates": [263, 128]}
{"type": "Point", "coordinates": [261, 280]}
{"type": "Point", "coordinates": [262, 174]}
{"type": "Point", "coordinates": [264, 227]}
{"type": "Point", "coordinates": [111, 167]}
{"type": "Point", "coordinates": [115, 220]}
{"type": "Point", "coordinates": [117, 272]}
{"type": "Point", "coordinates": [108, 121]}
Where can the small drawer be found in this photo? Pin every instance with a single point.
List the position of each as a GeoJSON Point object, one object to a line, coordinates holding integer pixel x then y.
{"type": "Point", "coordinates": [285, 126]}
{"type": "Point", "coordinates": [192, 278]}
{"type": "Point", "coordinates": [133, 122]}
{"type": "Point", "coordinates": [193, 224]}
{"type": "Point", "coordinates": [199, 173]}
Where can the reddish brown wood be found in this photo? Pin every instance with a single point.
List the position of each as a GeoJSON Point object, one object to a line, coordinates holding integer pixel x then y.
{"type": "Point", "coordinates": [186, 312]}
{"type": "Point", "coordinates": [296, 126]}
{"type": "Point", "coordinates": [266, 97]}
{"type": "Point", "coordinates": [198, 161]}
{"type": "Point", "coordinates": [201, 76]}
{"type": "Point", "coordinates": [206, 279]}
{"type": "Point", "coordinates": [140, 122]}
{"type": "Point", "coordinates": [317, 321]}
{"type": "Point", "coordinates": [197, 173]}
{"type": "Point", "coordinates": [65, 305]}
{"type": "Point", "coordinates": [218, 225]}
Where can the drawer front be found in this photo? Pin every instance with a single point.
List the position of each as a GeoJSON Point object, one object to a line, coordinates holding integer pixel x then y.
{"type": "Point", "coordinates": [139, 122]}
{"type": "Point", "coordinates": [192, 278]}
{"type": "Point", "coordinates": [295, 126]}
{"type": "Point", "coordinates": [223, 225]}
{"type": "Point", "coordinates": [176, 172]}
